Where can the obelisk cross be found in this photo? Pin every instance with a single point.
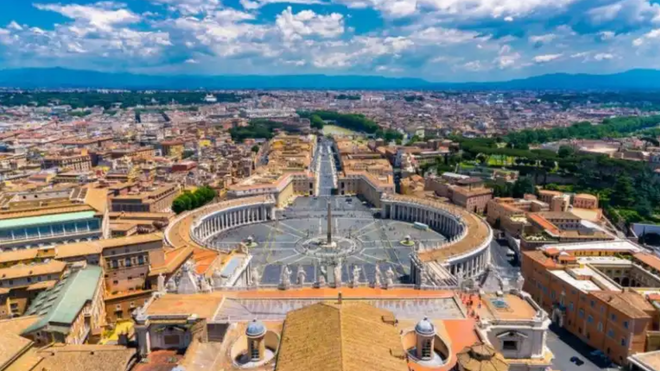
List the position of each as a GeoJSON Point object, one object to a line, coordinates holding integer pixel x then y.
{"type": "Point", "coordinates": [329, 223]}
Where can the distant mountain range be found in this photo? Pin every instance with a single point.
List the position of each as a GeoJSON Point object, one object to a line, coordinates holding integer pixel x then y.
{"type": "Point", "coordinates": [54, 78]}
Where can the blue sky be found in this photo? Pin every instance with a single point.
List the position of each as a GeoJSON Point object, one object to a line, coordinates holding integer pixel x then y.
{"type": "Point", "coordinates": [438, 40]}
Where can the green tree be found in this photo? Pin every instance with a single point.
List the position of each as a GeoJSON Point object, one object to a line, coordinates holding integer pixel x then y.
{"type": "Point", "coordinates": [624, 192]}
{"type": "Point", "coordinates": [255, 148]}
{"type": "Point", "coordinates": [522, 186]}
{"type": "Point", "coordinates": [565, 151]}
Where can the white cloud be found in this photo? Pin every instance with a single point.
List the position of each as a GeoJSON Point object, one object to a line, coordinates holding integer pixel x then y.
{"type": "Point", "coordinates": [14, 26]}
{"type": "Point", "coordinates": [307, 23]}
{"type": "Point", "coordinates": [542, 39]}
{"type": "Point", "coordinates": [606, 35]}
{"type": "Point", "coordinates": [649, 36]}
{"type": "Point", "coordinates": [546, 58]}
{"type": "Point", "coordinates": [446, 36]}
{"type": "Point", "coordinates": [473, 66]}
{"type": "Point", "coordinates": [333, 60]}
{"type": "Point", "coordinates": [507, 58]}
{"type": "Point", "coordinates": [256, 4]}
{"type": "Point", "coordinates": [603, 56]}
{"type": "Point", "coordinates": [626, 12]}
{"type": "Point", "coordinates": [189, 7]}
{"type": "Point", "coordinates": [191, 61]}
{"type": "Point", "coordinates": [101, 17]}
{"type": "Point", "coordinates": [506, 10]}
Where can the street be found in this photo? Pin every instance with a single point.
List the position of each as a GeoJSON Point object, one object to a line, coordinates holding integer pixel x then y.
{"type": "Point", "coordinates": [326, 169]}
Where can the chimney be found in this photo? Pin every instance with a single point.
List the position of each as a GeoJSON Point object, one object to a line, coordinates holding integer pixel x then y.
{"type": "Point", "coordinates": [339, 298]}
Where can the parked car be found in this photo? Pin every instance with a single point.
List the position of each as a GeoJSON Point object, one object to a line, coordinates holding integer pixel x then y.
{"type": "Point", "coordinates": [577, 361]}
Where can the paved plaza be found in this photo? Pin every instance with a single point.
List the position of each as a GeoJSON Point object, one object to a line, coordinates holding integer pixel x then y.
{"type": "Point", "coordinates": [362, 240]}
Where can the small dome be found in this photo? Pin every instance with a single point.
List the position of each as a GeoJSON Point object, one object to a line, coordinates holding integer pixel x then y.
{"type": "Point", "coordinates": [255, 328]}
{"type": "Point", "coordinates": [217, 273]}
{"type": "Point", "coordinates": [425, 327]}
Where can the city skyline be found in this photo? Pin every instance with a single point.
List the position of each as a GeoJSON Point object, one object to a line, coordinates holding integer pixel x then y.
{"type": "Point", "coordinates": [437, 40]}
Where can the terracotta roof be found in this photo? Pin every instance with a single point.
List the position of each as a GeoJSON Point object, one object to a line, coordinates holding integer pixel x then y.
{"type": "Point", "coordinates": [203, 305]}
{"type": "Point", "coordinates": [19, 271]}
{"type": "Point", "coordinates": [649, 259]}
{"type": "Point", "coordinates": [84, 357]}
{"type": "Point", "coordinates": [174, 258]}
{"type": "Point", "coordinates": [631, 304]}
{"type": "Point", "coordinates": [481, 357]}
{"type": "Point", "coordinates": [349, 336]}
{"type": "Point", "coordinates": [11, 343]}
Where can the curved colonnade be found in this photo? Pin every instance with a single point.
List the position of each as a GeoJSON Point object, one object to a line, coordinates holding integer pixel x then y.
{"type": "Point", "coordinates": [466, 252]}
{"type": "Point", "coordinates": [197, 227]}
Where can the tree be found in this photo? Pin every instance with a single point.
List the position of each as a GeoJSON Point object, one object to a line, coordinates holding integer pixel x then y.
{"type": "Point", "coordinates": [565, 151]}
{"type": "Point", "coordinates": [624, 192]}
{"type": "Point", "coordinates": [522, 186]}
{"type": "Point", "coordinates": [644, 209]}
{"type": "Point", "coordinates": [255, 148]}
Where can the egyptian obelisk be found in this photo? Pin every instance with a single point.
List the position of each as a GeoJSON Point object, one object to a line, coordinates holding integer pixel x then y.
{"type": "Point", "coordinates": [329, 224]}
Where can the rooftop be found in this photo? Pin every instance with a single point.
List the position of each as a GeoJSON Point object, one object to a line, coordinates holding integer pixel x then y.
{"type": "Point", "coordinates": [61, 304]}
{"type": "Point", "coordinates": [348, 336]}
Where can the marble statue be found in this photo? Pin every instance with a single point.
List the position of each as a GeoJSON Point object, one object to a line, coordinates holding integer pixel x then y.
{"type": "Point", "coordinates": [217, 278]}
{"type": "Point", "coordinates": [337, 272]}
{"type": "Point", "coordinates": [356, 275]}
{"type": "Point", "coordinates": [301, 274]}
{"type": "Point", "coordinates": [520, 282]}
{"type": "Point", "coordinates": [205, 286]}
{"type": "Point", "coordinates": [161, 283]}
{"type": "Point", "coordinates": [323, 274]}
{"type": "Point", "coordinates": [255, 277]}
{"type": "Point", "coordinates": [285, 277]}
{"type": "Point", "coordinates": [389, 275]}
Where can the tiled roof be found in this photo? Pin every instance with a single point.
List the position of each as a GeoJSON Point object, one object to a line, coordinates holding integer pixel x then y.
{"type": "Point", "coordinates": [340, 337]}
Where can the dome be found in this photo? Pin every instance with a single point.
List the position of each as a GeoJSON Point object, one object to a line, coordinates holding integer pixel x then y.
{"type": "Point", "coordinates": [255, 328]}
{"type": "Point", "coordinates": [425, 327]}
{"type": "Point", "coordinates": [217, 273]}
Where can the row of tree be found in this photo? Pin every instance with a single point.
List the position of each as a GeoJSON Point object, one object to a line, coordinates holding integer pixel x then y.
{"type": "Point", "coordinates": [258, 128]}
{"type": "Point", "coordinates": [192, 200]}
{"type": "Point", "coordinates": [628, 188]}
{"type": "Point", "coordinates": [108, 100]}
{"type": "Point", "coordinates": [609, 128]}
{"type": "Point", "coordinates": [353, 121]}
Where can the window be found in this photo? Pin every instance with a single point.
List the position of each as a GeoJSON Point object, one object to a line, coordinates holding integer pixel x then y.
{"type": "Point", "coordinates": [570, 306]}
{"type": "Point", "coordinates": [510, 345]}
{"type": "Point", "coordinates": [613, 317]}
{"type": "Point", "coordinates": [625, 324]}
{"type": "Point", "coordinates": [592, 303]}
{"type": "Point", "coordinates": [254, 350]}
{"type": "Point", "coordinates": [623, 342]}
{"type": "Point", "coordinates": [610, 333]}
{"type": "Point", "coordinates": [581, 313]}
{"type": "Point", "coordinates": [141, 260]}
{"type": "Point", "coordinates": [127, 262]}
{"type": "Point", "coordinates": [590, 319]}
{"type": "Point", "coordinates": [600, 326]}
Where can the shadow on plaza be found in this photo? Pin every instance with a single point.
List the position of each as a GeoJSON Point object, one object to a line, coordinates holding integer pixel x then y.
{"type": "Point", "coordinates": [582, 348]}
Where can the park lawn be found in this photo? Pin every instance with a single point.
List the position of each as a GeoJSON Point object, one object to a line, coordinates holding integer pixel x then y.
{"type": "Point", "coordinates": [501, 160]}
{"type": "Point", "coordinates": [336, 130]}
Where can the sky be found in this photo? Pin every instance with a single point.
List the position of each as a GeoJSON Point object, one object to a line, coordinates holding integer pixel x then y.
{"type": "Point", "coordinates": [437, 40]}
